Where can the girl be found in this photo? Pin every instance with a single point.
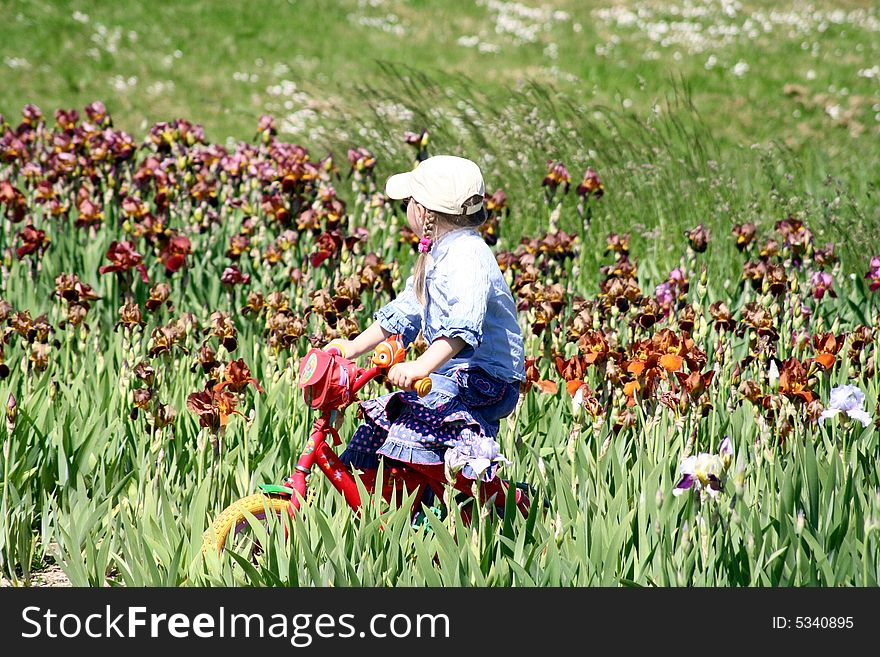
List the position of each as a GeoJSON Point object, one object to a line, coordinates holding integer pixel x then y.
{"type": "Point", "coordinates": [459, 299]}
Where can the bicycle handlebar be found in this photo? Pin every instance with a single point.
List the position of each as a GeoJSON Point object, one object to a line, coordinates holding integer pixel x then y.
{"type": "Point", "coordinates": [421, 386]}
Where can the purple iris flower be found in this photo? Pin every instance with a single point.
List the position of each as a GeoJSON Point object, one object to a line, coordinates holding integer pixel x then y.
{"type": "Point", "coordinates": [873, 274]}
{"type": "Point", "coordinates": [822, 283]}
{"type": "Point", "coordinates": [677, 276]}
{"type": "Point", "coordinates": [664, 295]}
{"type": "Point", "coordinates": [705, 472]}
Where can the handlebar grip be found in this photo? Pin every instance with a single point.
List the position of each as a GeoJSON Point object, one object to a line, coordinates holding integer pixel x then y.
{"type": "Point", "coordinates": [423, 386]}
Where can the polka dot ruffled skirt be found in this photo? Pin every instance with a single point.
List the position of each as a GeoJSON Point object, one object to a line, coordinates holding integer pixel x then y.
{"type": "Point", "coordinates": [456, 422]}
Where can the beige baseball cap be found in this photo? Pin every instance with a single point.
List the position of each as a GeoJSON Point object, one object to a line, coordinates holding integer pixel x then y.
{"type": "Point", "coordinates": [442, 183]}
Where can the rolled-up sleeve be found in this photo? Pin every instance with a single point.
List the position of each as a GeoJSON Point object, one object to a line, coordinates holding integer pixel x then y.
{"type": "Point", "coordinates": [466, 294]}
{"type": "Point", "coordinates": [403, 315]}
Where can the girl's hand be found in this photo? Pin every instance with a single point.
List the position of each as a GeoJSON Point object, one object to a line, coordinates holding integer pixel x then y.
{"type": "Point", "coordinates": [404, 375]}
{"type": "Point", "coordinates": [345, 346]}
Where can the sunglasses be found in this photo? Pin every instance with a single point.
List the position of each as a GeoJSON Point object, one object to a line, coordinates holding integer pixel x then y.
{"type": "Point", "coordinates": [404, 204]}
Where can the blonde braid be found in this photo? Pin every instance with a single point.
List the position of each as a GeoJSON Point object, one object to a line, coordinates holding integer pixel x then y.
{"type": "Point", "coordinates": [421, 268]}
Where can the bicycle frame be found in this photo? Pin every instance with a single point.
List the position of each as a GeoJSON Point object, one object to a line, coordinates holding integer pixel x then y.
{"type": "Point", "coordinates": [416, 477]}
{"type": "Point", "coordinates": [318, 451]}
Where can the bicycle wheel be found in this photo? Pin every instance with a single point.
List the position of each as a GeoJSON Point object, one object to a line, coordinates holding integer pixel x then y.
{"type": "Point", "coordinates": [232, 531]}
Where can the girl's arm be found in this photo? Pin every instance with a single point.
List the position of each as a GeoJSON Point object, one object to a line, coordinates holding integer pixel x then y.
{"type": "Point", "coordinates": [440, 351]}
{"type": "Point", "coordinates": [404, 375]}
{"type": "Point", "coordinates": [364, 342]}
{"type": "Point", "coordinates": [403, 316]}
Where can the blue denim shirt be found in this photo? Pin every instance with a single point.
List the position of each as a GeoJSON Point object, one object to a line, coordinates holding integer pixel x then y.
{"type": "Point", "coordinates": [468, 298]}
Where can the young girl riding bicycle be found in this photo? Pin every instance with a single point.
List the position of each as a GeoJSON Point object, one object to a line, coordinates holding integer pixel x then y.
{"type": "Point", "coordinates": [458, 298]}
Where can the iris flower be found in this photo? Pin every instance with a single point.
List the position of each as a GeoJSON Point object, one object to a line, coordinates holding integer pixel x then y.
{"type": "Point", "coordinates": [705, 471]}
{"type": "Point", "coordinates": [822, 283]}
{"type": "Point", "coordinates": [873, 274]}
{"type": "Point", "coordinates": [847, 399]}
{"type": "Point", "coordinates": [477, 459]}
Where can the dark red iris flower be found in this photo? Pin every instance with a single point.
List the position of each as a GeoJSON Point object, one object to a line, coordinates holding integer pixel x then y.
{"type": "Point", "coordinates": [213, 408]}
{"type": "Point", "coordinates": [14, 200]}
{"type": "Point", "coordinates": [34, 241]}
{"type": "Point", "coordinates": [174, 254]}
{"type": "Point", "coordinates": [123, 257]}
{"type": "Point", "coordinates": [328, 245]}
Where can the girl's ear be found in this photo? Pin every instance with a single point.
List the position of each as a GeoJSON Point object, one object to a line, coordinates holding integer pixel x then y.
{"type": "Point", "coordinates": [421, 216]}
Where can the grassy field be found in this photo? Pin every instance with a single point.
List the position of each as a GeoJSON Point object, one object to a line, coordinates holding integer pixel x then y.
{"type": "Point", "coordinates": [715, 114]}
{"type": "Point", "coordinates": [226, 63]}
{"type": "Point", "coordinates": [783, 98]}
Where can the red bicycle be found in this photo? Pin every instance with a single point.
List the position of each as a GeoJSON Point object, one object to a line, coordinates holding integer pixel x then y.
{"type": "Point", "coordinates": [330, 383]}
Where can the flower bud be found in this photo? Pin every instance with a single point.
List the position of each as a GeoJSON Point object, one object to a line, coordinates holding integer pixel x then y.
{"type": "Point", "coordinates": [577, 403]}
{"type": "Point", "coordinates": [603, 449]}
{"type": "Point", "coordinates": [11, 413]}
{"type": "Point", "coordinates": [773, 376]}
{"type": "Point", "coordinates": [739, 481]}
{"type": "Point", "coordinates": [685, 535]}
{"type": "Point", "coordinates": [702, 329]}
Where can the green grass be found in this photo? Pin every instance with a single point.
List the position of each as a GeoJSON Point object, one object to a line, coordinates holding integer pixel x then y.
{"type": "Point", "coordinates": [327, 51]}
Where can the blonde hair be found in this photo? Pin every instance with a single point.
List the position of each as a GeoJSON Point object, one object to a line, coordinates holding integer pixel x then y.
{"type": "Point", "coordinates": [449, 222]}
